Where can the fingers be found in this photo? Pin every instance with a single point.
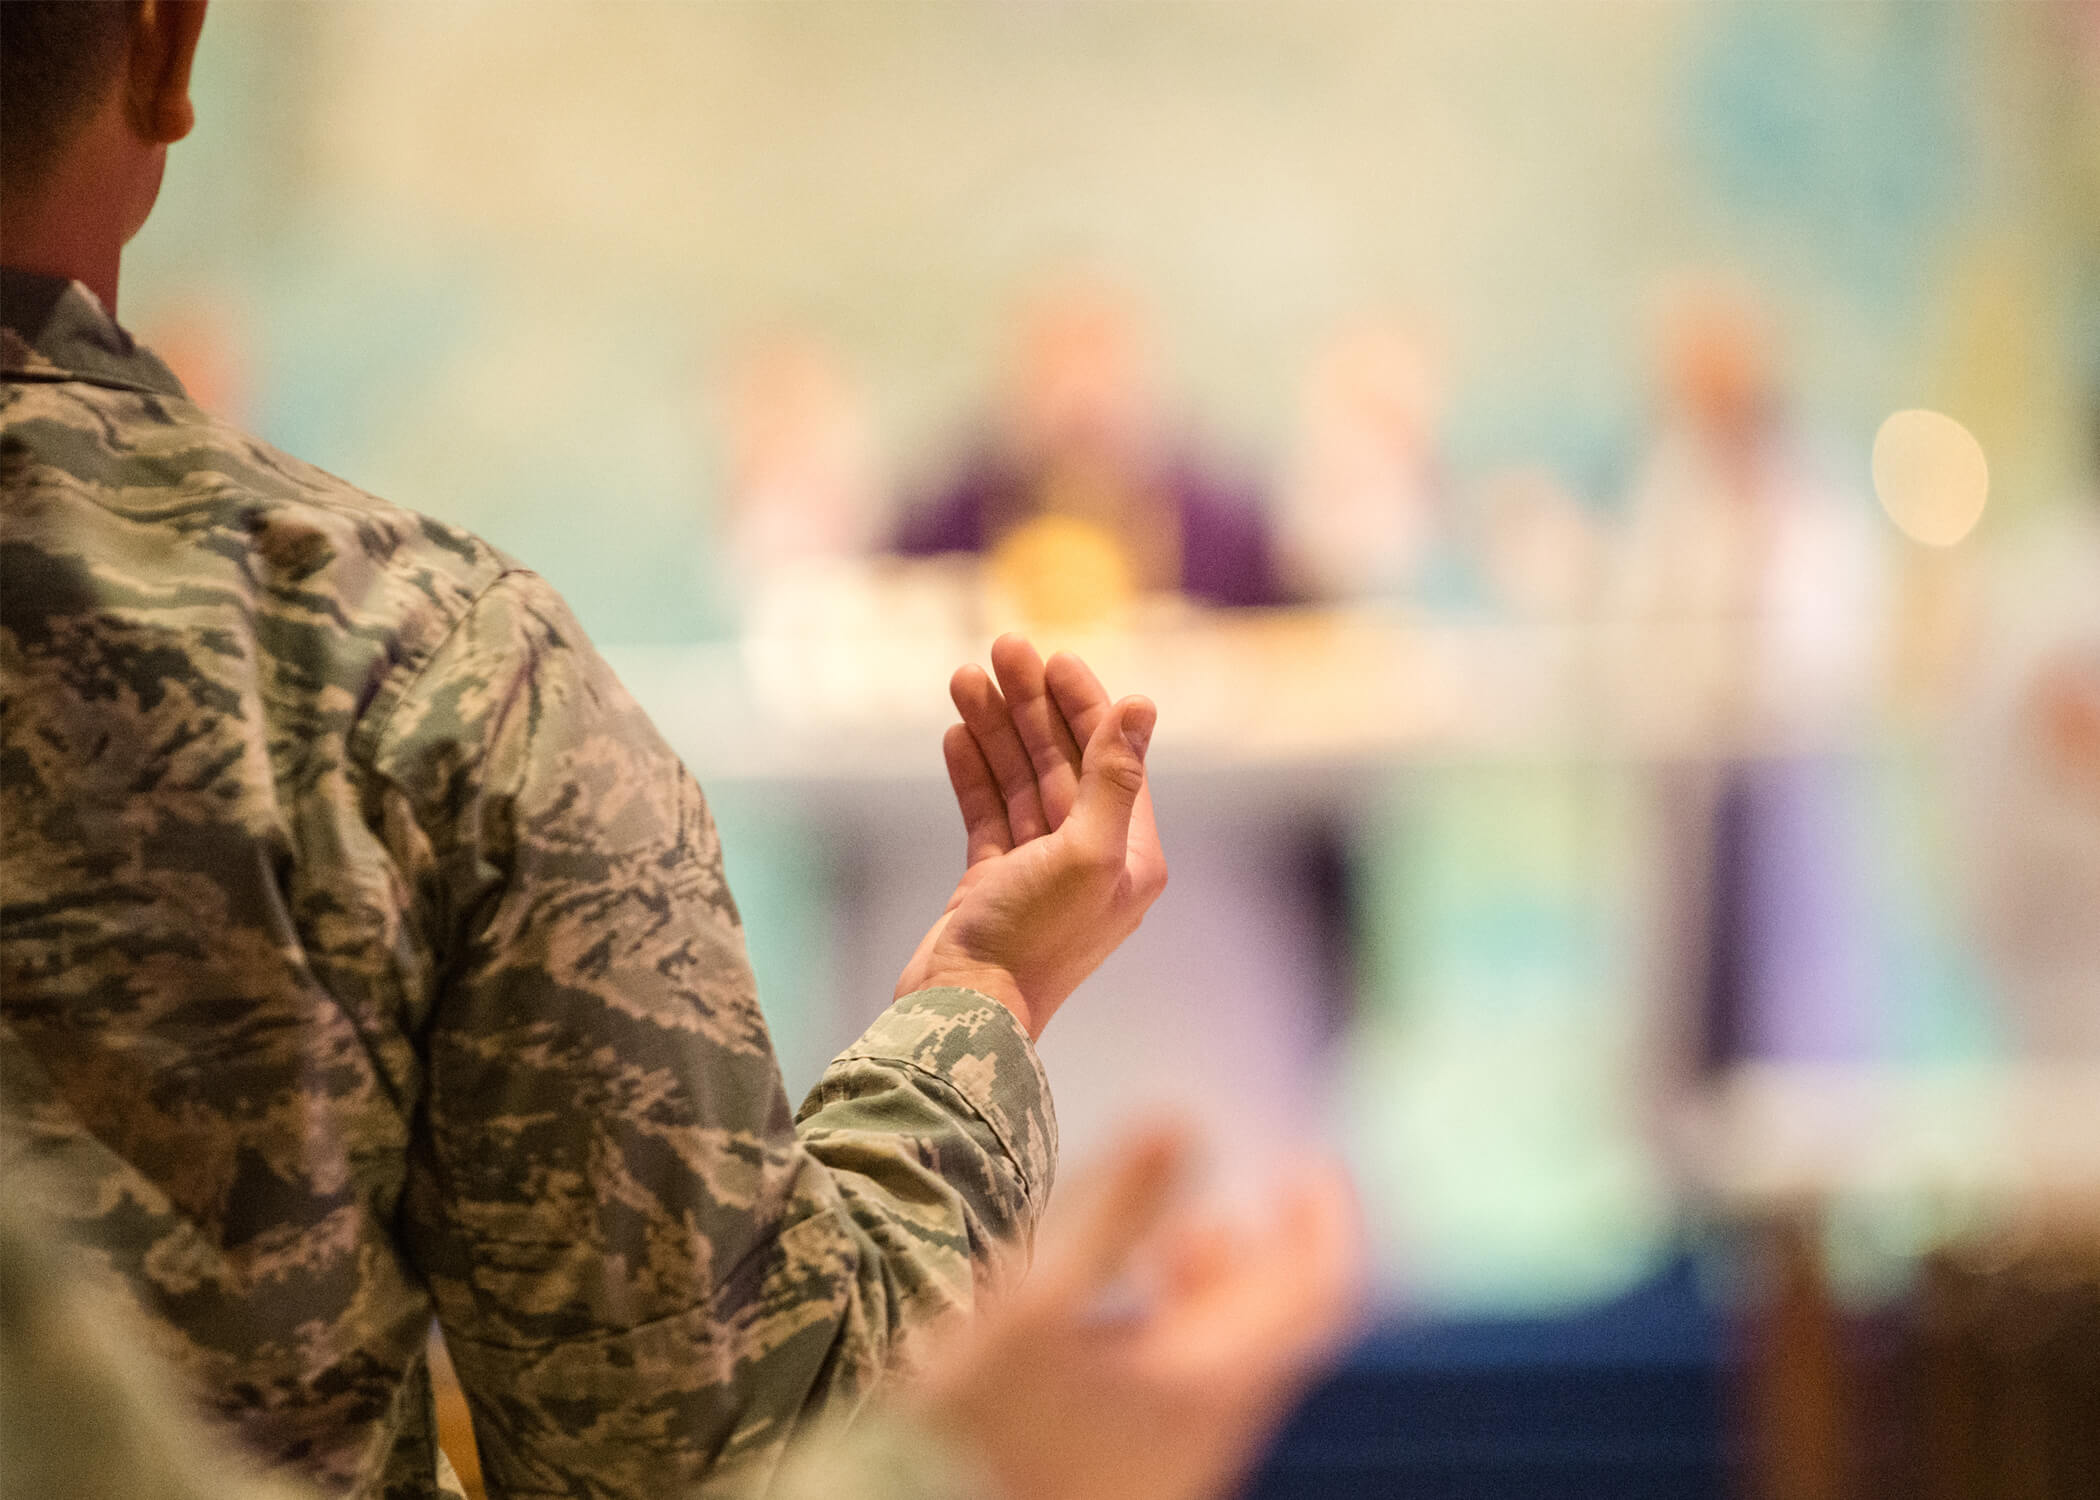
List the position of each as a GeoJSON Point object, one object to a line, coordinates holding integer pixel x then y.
{"type": "Point", "coordinates": [1039, 723]}
{"type": "Point", "coordinates": [1077, 692]}
{"type": "Point", "coordinates": [991, 723]}
{"type": "Point", "coordinates": [1122, 1205]}
{"type": "Point", "coordinates": [1083, 701]}
{"type": "Point", "coordinates": [1320, 1240]}
{"type": "Point", "coordinates": [1029, 728]}
{"type": "Point", "coordinates": [1111, 779]}
{"type": "Point", "coordinates": [1268, 1302]}
{"type": "Point", "coordinates": [985, 829]}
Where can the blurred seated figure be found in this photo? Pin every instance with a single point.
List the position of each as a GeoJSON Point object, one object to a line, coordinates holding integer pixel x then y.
{"type": "Point", "coordinates": [1080, 497]}
{"type": "Point", "coordinates": [797, 501]}
{"type": "Point", "coordinates": [1756, 581]}
{"type": "Point", "coordinates": [1363, 510]}
{"type": "Point", "coordinates": [800, 499]}
{"type": "Point", "coordinates": [803, 480]}
{"type": "Point", "coordinates": [1735, 521]}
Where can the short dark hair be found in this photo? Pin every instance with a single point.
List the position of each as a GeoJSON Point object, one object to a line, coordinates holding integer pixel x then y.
{"type": "Point", "coordinates": [56, 59]}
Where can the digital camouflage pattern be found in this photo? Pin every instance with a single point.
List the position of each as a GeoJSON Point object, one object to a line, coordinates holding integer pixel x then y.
{"type": "Point", "coordinates": [86, 1414]}
{"type": "Point", "coordinates": [366, 952]}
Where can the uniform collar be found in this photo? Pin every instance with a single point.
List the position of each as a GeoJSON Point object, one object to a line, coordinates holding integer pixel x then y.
{"type": "Point", "coordinates": [54, 329]}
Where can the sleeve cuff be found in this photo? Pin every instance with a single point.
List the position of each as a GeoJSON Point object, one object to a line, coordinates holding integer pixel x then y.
{"type": "Point", "coordinates": [976, 1046]}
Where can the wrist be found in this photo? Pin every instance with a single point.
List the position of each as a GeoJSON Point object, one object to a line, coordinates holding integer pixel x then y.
{"type": "Point", "coordinates": [988, 980]}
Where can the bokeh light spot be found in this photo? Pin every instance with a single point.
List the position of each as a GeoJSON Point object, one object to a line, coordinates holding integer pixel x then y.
{"type": "Point", "coordinates": [1931, 475]}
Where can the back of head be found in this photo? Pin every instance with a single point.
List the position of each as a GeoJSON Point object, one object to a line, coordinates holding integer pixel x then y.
{"type": "Point", "coordinates": [58, 60]}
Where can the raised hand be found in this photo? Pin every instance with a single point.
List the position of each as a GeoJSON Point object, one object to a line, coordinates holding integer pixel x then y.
{"type": "Point", "coordinates": [1065, 1400]}
{"type": "Point", "coordinates": [1063, 855]}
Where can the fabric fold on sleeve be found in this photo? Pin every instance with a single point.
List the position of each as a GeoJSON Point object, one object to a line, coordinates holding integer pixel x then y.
{"type": "Point", "coordinates": [977, 1047]}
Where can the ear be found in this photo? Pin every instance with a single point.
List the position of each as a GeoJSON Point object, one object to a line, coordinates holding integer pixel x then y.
{"type": "Point", "coordinates": [163, 45]}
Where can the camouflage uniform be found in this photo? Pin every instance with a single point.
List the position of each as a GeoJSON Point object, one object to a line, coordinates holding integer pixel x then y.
{"type": "Point", "coordinates": [366, 951]}
{"type": "Point", "coordinates": [85, 1415]}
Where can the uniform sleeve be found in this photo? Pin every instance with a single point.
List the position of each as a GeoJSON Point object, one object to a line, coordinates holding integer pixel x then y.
{"type": "Point", "coordinates": [648, 1273]}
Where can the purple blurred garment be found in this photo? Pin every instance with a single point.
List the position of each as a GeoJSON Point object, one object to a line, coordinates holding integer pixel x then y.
{"type": "Point", "coordinates": [1226, 555]}
{"type": "Point", "coordinates": [1790, 964]}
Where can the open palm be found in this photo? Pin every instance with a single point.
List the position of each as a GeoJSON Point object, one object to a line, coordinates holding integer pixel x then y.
{"type": "Point", "coordinates": [1063, 855]}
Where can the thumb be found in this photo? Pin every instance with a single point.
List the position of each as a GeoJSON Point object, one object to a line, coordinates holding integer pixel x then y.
{"type": "Point", "coordinates": [1111, 774]}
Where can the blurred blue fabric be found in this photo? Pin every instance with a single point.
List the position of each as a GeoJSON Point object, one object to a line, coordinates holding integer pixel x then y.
{"type": "Point", "coordinates": [1624, 1399]}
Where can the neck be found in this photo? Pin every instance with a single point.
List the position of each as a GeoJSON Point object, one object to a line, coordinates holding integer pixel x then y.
{"type": "Point", "coordinates": [94, 265]}
{"type": "Point", "coordinates": [76, 222]}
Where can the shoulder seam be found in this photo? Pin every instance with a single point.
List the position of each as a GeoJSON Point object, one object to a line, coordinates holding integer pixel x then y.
{"type": "Point", "coordinates": [366, 738]}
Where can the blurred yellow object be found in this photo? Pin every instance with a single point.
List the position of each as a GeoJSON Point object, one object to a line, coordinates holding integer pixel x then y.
{"type": "Point", "coordinates": [1931, 475]}
{"type": "Point", "coordinates": [454, 1421]}
{"type": "Point", "coordinates": [1062, 570]}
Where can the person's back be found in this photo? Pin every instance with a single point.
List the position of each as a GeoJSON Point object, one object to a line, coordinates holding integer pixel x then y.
{"type": "Point", "coordinates": [196, 630]}
{"type": "Point", "coordinates": [364, 943]}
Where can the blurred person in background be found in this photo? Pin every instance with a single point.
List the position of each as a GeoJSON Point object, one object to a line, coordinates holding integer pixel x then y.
{"type": "Point", "coordinates": [1080, 497]}
{"type": "Point", "coordinates": [204, 344]}
{"type": "Point", "coordinates": [804, 483]}
{"type": "Point", "coordinates": [1739, 534]}
{"type": "Point", "coordinates": [1364, 513]}
{"type": "Point", "coordinates": [1497, 893]}
{"type": "Point", "coordinates": [802, 496]}
{"type": "Point", "coordinates": [368, 953]}
{"type": "Point", "coordinates": [1755, 583]}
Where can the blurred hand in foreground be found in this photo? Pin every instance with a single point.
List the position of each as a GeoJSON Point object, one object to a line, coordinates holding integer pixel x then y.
{"type": "Point", "coordinates": [1062, 1396]}
{"type": "Point", "coordinates": [1063, 856]}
